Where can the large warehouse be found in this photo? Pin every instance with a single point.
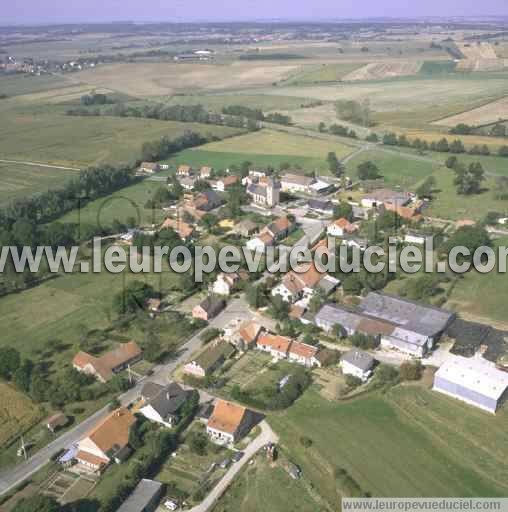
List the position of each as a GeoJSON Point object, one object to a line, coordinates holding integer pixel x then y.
{"type": "Point", "coordinates": [474, 381]}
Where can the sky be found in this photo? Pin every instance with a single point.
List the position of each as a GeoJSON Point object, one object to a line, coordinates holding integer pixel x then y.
{"type": "Point", "coordinates": [50, 11]}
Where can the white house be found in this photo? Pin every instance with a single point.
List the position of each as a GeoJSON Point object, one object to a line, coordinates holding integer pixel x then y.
{"type": "Point", "coordinates": [225, 283]}
{"type": "Point", "coordinates": [303, 354]}
{"type": "Point", "coordinates": [358, 364]}
{"type": "Point", "coordinates": [260, 242]}
{"type": "Point", "coordinates": [341, 227]}
{"type": "Point", "coordinates": [296, 183]}
{"type": "Point", "coordinates": [164, 408]}
{"type": "Point", "coordinates": [228, 422]}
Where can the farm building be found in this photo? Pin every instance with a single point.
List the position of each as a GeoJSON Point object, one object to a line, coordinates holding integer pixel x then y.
{"type": "Point", "coordinates": [398, 323]}
{"type": "Point", "coordinates": [474, 381]}
{"type": "Point", "coordinates": [145, 497]}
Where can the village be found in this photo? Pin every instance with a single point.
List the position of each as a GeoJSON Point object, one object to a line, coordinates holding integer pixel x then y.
{"type": "Point", "coordinates": [264, 339]}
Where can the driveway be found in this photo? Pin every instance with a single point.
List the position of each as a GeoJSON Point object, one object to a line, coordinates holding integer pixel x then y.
{"type": "Point", "coordinates": [267, 436]}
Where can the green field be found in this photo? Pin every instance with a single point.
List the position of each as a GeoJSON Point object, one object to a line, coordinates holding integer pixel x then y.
{"type": "Point", "coordinates": [397, 169]}
{"type": "Point", "coordinates": [16, 85]}
{"type": "Point", "coordinates": [482, 297]}
{"type": "Point", "coordinates": [447, 204]}
{"type": "Point", "coordinates": [17, 181]}
{"type": "Point", "coordinates": [222, 160]}
{"type": "Point", "coordinates": [409, 442]}
{"type": "Point", "coordinates": [261, 487]}
{"type": "Point", "coordinates": [121, 205]}
{"type": "Point", "coordinates": [216, 102]}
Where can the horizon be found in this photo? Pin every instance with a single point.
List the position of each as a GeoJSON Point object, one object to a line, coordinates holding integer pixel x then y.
{"type": "Point", "coordinates": [58, 12]}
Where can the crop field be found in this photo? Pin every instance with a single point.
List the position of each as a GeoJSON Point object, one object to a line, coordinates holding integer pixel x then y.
{"type": "Point", "coordinates": [477, 51]}
{"type": "Point", "coordinates": [68, 94]}
{"type": "Point", "coordinates": [17, 413]}
{"type": "Point", "coordinates": [263, 487]}
{"type": "Point", "coordinates": [82, 141]}
{"type": "Point", "coordinates": [17, 180]}
{"type": "Point", "coordinates": [409, 442]}
{"type": "Point", "coordinates": [382, 70]}
{"type": "Point", "coordinates": [489, 113]}
{"type": "Point", "coordinates": [410, 101]}
{"type": "Point", "coordinates": [326, 72]}
{"type": "Point", "coordinates": [270, 142]}
{"type": "Point", "coordinates": [161, 79]}
{"type": "Point", "coordinates": [397, 169]}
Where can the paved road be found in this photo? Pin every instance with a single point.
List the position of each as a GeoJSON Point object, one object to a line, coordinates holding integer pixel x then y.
{"type": "Point", "coordinates": [267, 436]}
{"type": "Point", "coordinates": [236, 309]}
{"type": "Point", "coordinates": [38, 164]}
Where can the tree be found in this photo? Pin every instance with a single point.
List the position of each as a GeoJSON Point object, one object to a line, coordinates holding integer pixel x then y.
{"type": "Point", "coordinates": [442, 146]}
{"type": "Point", "coordinates": [426, 188]}
{"type": "Point", "coordinates": [39, 503]}
{"type": "Point", "coordinates": [372, 137]}
{"type": "Point", "coordinates": [343, 210]}
{"type": "Point", "coordinates": [503, 151]}
{"type": "Point", "coordinates": [390, 139]}
{"type": "Point", "coordinates": [198, 443]}
{"type": "Point", "coordinates": [335, 167]}
{"type": "Point", "coordinates": [364, 341]}
{"type": "Point", "coordinates": [132, 298]}
{"type": "Point", "coordinates": [338, 331]}
{"type": "Point", "coordinates": [321, 127]}
{"type": "Point", "coordinates": [22, 377]}
{"type": "Point", "coordinates": [468, 180]}
{"type": "Point", "coordinates": [10, 361]}
{"type": "Point", "coordinates": [386, 374]}
{"type": "Point", "coordinates": [470, 237]}
{"type": "Point", "coordinates": [255, 297]}
{"type": "Point", "coordinates": [368, 171]}
{"type": "Point", "coordinates": [209, 221]}
{"type": "Point", "coordinates": [457, 147]}
{"type": "Point", "coordinates": [352, 285]}
{"type": "Point", "coordinates": [462, 129]}
{"type": "Point", "coordinates": [411, 370]}
{"type": "Point", "coordinates": [451, 162]}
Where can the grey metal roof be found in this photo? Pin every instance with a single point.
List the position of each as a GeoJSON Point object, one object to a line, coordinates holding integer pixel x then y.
{"type": "Point", "coordinates": [257, 190]}
{"type": "Point", "coordinates": [358, 358]}
{"type": "Point", "coordinates": [334, 314]}
{"type": "Point", "coordinates": [317, 204]}
{"type": "Point", "coordinates": [142, 495]}
{"type": "Point", "coordinates": [412, 316]}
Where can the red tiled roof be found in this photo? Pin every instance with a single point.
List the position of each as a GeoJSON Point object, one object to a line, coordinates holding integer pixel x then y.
{"type": "Point", "coordinates": [90, 458]}
{"type": "Point", "coordinates": [227, 417]}
{"type": "Point", "coordinates": [278, 343]}
{"type": "Point", "coordinates": [302, 350]}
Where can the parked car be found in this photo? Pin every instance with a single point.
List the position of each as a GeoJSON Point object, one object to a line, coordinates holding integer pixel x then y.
{"type": "Point", "coordinates": [225, 463]}
{"type": "Point", "coordinates": [237, 456]}
{"type": "Point", "coordinates": [170, 505]}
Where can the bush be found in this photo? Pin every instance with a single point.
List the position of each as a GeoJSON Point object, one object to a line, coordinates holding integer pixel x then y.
{"type": "Point", "coordinates": [306, 442]}
{"type": "Point", "coordinates": [411, 370]}
{"type": "Point", "coordinates": [210, 334]}
{"type": "Point", "coordinates": [353, 382]}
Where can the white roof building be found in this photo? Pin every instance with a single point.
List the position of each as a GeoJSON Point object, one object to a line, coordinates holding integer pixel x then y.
{"type": "Point", "coordinates": [474, 381]}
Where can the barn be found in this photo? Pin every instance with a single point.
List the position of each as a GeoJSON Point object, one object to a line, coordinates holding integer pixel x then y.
{"type": "Point", "coordinates": [474, 381]}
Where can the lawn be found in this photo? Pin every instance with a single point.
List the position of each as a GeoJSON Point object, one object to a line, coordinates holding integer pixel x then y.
{"type": "Point", "coordinates": [323, 73]}
{"type": "Point", "coordinates": [122, 204]}
{"type": "Point", "coordinates": [397, 169]}
{"type": "Point", "coordinates": [447, 204]}
{"type": "Point", "coordinates": [409, 442]}
{"type": "Point", "coordinates": [270, 142]}
{"type": "Point", "coordinates": [83, 141]}
{"type": "Point", "coordinates": [482, 297]}
{"type": "Point", "coordinates": [17, 180]}
{"type": "Point", "coordinates": [262, 487]}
